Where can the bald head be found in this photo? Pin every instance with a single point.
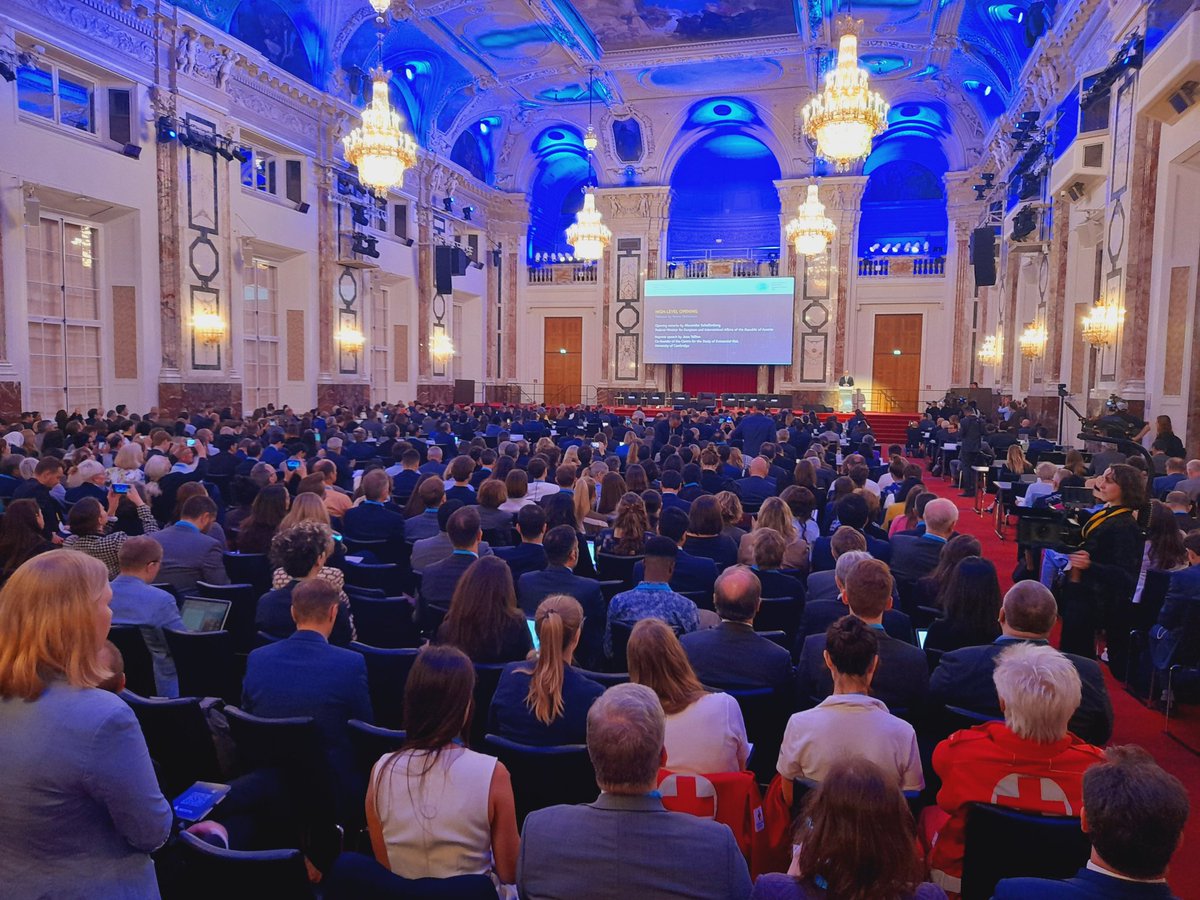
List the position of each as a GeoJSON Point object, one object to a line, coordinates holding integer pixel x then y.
{"type": "Point", "coordinates": [759, 467]}
{"type": "Point", "coordinates": [1029, 609]}
{"type": "Point", "coordinates": [941, 516]}
{"type": "Point", "coordinates": [737, 594]}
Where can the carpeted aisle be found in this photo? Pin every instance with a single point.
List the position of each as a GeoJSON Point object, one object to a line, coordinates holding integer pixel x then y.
{"type": "Point", "coordinates": [1133, 722]}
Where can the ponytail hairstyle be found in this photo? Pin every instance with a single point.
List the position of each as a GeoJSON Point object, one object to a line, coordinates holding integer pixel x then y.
{"type": "Point", "coordinates": [558, 620]}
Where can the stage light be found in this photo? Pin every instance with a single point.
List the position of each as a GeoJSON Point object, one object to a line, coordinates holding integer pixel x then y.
{"type": "Point", "coordinates": [467, 210]}
{"type": "Point", "coordinates": [409, 73]}
{"type": "Point", "coordinates": [166, 129]}
{"type": "Point", "coordinates": [874, 248]}
{"type": "Point", "coordinates": [302, 207]}
{"type": "Point", "coordinates": [358, 214]}
{"type": "Point", "coordinates": [8, 72]}
{"type": "Point", "coordinates": [241, 154]}
{"type": "Point", "coordinates": [364, 245]}
{"type": "Point", "coordinates": [483, 127]}
{"type": "Point", "coordinates": [448, 204]}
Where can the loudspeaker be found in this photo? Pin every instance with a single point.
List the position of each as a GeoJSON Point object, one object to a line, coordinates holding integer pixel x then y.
{"type": "Point", "coordinates": [983, 256]}
{"type": "Point", "coordinates": [1077, 191]}
{"type": "Point", "coordinates": [443, 269]}
{"type": "Point", "coordinates": [464, 391]}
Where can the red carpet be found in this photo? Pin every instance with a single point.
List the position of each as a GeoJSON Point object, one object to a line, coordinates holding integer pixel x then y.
{"type": "Point", "coordinates": [1134, 723]}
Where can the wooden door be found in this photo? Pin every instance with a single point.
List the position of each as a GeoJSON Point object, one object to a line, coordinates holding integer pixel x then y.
{"type": "Point", "coordinates": [562, 371]}
{"type": "Point", "coordinates": [896, 369]}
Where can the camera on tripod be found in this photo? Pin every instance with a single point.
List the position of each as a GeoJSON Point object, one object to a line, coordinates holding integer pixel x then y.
{"type": "Point", "coordinates": [1049, 529]}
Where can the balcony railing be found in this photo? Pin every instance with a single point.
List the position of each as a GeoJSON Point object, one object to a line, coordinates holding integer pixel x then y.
{"type": "Point", "coordinates": [902, 267]}
{"type": "Point", "coordinates": [722, 268]}
{"type": "Point", "coordinates": [562, 273]}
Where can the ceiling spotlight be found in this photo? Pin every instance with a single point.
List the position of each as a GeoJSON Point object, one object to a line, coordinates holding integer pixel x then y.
{"type": "Point", "coordinates": [483, 127]}
{"type": "Point", "coordinates": [448, 204]}
{"type": "Point", "coordinates": [988, 178]}
{"type": "Point", "coordinates": [166, 129]}
{"type": "Point", "coordinates": [409, 73]}
{"type": "Point", "coordinates": [467, 210]}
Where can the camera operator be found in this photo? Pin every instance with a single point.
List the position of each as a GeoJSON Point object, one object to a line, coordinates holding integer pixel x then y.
{"type": "Point", "coordinates": [1104, 570]}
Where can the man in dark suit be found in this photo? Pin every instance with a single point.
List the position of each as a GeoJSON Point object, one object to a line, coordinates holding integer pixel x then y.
{"type": "Point", "coordinates": [1181, 604]}
{"type": "Point", "coordinates": [970, 442]}
{"type": "Point", "coordinates": [755, 487]}
{"type": "Point", "coordinates": [304, 676]}
{"type": "Point", "coordinates": [1176, 472]}
{"type": "Point", "coordinates": [692, 488]}
{"type": "Point", "coordinates": [671, 482]}
{"type": "Point", "coordinates": [667, 428]}
{"type": "Point", "coordinates": [46, 476]}
{"type": "Point", "coordinates": [405, 479]}
{"type": "Point", "coordinates": [626, 844]}
{"type": "Point", "coordinates": [711, 479]}
{"type": "Point", "coordinates": [914, 557]}
{"type": "Point", "coordinates": [250, 460]}
{"type": "Point", "coordinates": [460, 471]}
{"type": "Point", "coordinates": [732, 655]}
{"type": "Point", "coordinates": [428, 551]}
{"type": "Point", "coordinates": [562, 553]}
{"type": "Point", "coordinates": [432, 495]}
{"type": "Point", "coordinates": [190, 554]}
{"type": "Point", "coordinates": [529, 555]}
{"type": "Point", "coordinates": [1181, 507]}
{"type": "Point", "coordinates": [1134, 814]}
{"type": "Point", "coordinates": [823, 585]}
{"type": "Point", "coordinates": [902, 680]}
{"type": "Point", "coordinates": [692, 573]}
{"type": "Point", "coordinates": [374, 519]}
{"type": "Point", "coordinates": [223, 463]}
{"type": "Point", "coordinates": [851, 510]}
{"type": "Point", "coordinates": [818, 615]}
{"type": "Point", "coordinates": [433, 464]}
{"type": "Point", "coordinates": [964, 677]}
{"type": "Point", "coordinates": [439, 580]}
{"type": "Point", "coordinates": [754, 430]}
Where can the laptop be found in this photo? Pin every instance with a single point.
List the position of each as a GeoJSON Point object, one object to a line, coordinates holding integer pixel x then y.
{"type": "Point", "coordinates": [204, 613]}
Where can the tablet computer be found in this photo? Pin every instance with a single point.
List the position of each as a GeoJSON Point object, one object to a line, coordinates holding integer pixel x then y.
{"type": "Point", "coordinates": [199, 800]}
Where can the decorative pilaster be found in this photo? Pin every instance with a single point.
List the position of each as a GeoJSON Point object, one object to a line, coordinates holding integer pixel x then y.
{"type": "Point", "coordinates": [962, 213]}
{"type": "Point", "coordinates": [508, 223]}
{"type": "Point", "coordinates": [1131, 368]}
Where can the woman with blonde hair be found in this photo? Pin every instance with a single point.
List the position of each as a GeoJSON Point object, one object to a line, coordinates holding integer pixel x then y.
{"type": "Point", "coordinates": [736, 462]}
{"type": "Point", "coordinates": [585, 505]}
{"type": "Point", "coordinates": [705, 731]}
{"type": "Point", "coordinates": [83, 807]}
{"type": "Point", "coordinates": [156, 467]}
{"type": "Point", "coordinates": [627, 536]}
{"type": "Point", "coordinates": [777, 516]}
{"type": "Point", "coordinates": [731, 515]}
{"type": "Point", "coordinates": [306, 507]}
{"type": "Point", "coordinates": [545, 702]}
{"type": "Point", "coordinates": [1016, 463]}
{"type": "Point", "coordinates": [127, 465]}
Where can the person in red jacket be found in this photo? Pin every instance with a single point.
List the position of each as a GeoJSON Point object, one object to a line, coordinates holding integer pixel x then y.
{"type": "Point", "coordinates": [1028, 762]}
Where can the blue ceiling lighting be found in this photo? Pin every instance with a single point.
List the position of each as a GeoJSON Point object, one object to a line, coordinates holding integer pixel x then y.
{"type": "Point", "coordinates": [721, 111]}
{"type": "Point", "coordinates": [884, 63]}
{"type": "Point", "coordinates": [740, 74]}
{"type": "Point", "coordinates": [556, 193]}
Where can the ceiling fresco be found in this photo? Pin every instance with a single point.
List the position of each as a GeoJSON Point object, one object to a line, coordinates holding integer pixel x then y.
{"type": "Point", "coordinates": [649, 24]}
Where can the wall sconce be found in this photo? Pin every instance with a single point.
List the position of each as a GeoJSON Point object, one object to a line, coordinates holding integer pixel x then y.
{"type": "Point", "coordinates": [1100, 326]}
{"type": "Point", "coordinates": [441, 346]}
{"type": "Point", "coordinates": [209, 328]}
{"type": "Point", "coordinates": [1033, 340]}
{"type": "Point", "coordinates": [350, 339]}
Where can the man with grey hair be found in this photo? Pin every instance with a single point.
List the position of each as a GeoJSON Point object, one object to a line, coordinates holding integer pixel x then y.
{"type": "Point", "coordinates": [626, 844]}
{"type": "Point", "coordinates": [963, 678]}
{"type": "Point", "coordinates": [915, 556]}
{"type": "Point", "coordinates": [433, 464]}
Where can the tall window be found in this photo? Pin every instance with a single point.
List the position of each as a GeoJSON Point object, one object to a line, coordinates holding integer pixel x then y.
{"type": "Point", "coordinates": [260, 324]}
{"type": "Point", "coordinates": [58, 95]}
{"type": "Point", "coordinates": [380, 375]}
{"type": "Point", "coordinates": [64, 316]}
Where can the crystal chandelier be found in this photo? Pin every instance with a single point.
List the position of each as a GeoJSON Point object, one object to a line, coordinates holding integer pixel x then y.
{"type": "Point", "coordinates": [441, 347]}
{"type": "Point", "coordinates": [589, 235]}
{"type": "Point", "coordinates": [846, 115]}
{"type": "Point", "coordinates": [811, 231]}
{"type": "Point", "coordinates": [1101, 324]}
{"type": "Point", "coordinates": [990, 352]}
{"type": "Point", "coordinates": [350, 339]}
{"type": "Point", "coordinates": [1032, 340]}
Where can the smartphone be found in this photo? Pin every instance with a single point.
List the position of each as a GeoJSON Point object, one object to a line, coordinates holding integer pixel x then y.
{"type": "Point", "coordinates": [199, 800]}
{"type": "Point", "coordinates": [336, 536]}
{"type": "Point", "coordinates": [317, 437]}
{"type": "Point", "coordinates": [293, 463]}
{"type": "Point", "coordinates": [191, 442]}
{"type": "Point", "coordinates": [537, 644]}
{"type": "Point", "coordinates": [120, 488]}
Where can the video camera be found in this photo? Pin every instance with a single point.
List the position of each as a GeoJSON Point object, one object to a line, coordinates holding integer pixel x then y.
{"type": "Point", "coordinates": [1049, 529]}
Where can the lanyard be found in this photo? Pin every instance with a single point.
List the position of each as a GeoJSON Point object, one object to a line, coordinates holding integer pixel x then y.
{"type": "Point", "coordinates": [1101, 517]}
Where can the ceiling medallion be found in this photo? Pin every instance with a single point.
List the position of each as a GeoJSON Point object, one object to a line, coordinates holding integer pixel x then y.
{"type": "Point", "coordinates": [846, 115]}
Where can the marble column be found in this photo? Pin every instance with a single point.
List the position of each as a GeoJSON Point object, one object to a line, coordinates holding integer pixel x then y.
{"type": "Point", "coordinates": [507, 225]}
{"type": "Point", "coordinates": [962, 213]}
{"type": "Point", "coordinates": [845, 208]}
{"type": "Point", "coordinates": [1142, 194]}
{"type": "Point", "coordinates": [10, 390]}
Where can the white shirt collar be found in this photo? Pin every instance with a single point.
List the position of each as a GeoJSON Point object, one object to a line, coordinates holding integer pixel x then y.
{"type": "Point", "coordinates": [1111, 874]}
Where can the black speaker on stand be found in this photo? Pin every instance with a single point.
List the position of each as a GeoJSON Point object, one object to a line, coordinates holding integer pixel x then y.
{"type": "Point", "coordinates": [983, 256]}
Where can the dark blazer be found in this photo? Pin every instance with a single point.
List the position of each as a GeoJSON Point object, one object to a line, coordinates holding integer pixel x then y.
{"type": "Point", "coordinates": [915, 557]}
{"type": "Point", "coordinates": [511, 718]}
{"type": "Point", "coordinates": [970, 435]}
{"type": "Point", "coordinates": [534, 587]}
{"type": "Point", "coordinates": [713, 482]}
{"type": "Point", "coordinates": [188, 557]}
{"type": "Point", "coordinates": [692, 573]}
{"type": "Point", "coordinates": [901, 681]}
{"type": "Point", "coordinates": [776, 584]}
{"type": "Point", "coordinates": [732, 655]}
{"type": "Point", "coordinates": [822, 555]}
{"type": "Point", "coordinates": [822, 586]}
{"type": "Point", "coordinates": [423, 525]}
{"type": "Point", "coordinates": [755, 430]}
{"type": "Point", "coordinates": [31, 489]}
{"type": "Point", "coordinates": [274, 616]}
{"type": "Point", "coordinates": [964, 678]}
{"type": "Point", "coordinates": [87, 489]}
{"type": "Point", "coordinates": [439, 580]}
{"type": "Point", "coordinates": [463, 494]}
{"type": "Point", "coordinates": [1182, 601]}
{"type": "Point", "coordinates": [1086, 885]}
{"type": "Point", "coordinates": [754, 489]}
{"type": "Point", "coordinates": [374, 522]}
{"type": "Point", "coordinates": [820, 614]}
{"type": "Point", "coordinates": [719, 548]}
{"type": "Point", "coordinates": [674, 501]}
{"type": "Point", "coordinates": [404, 482]}
{"type": "Point", "coordinates": [1106, 587]}
{"type": "Point", "coordinates": [522, 558]}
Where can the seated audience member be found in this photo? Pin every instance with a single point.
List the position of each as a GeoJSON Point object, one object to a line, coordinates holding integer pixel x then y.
{"type": "Point", "coordinates": [970, 604]}
{"type": "Point", "coordinates": [692, 573]}
{"type": "Point", "coordinates": [653, 597]}
{"type": "Point", "coordinates": [561, 511]}
{"type": "Point", "coordinates": [1182, 603]}
{"type": "Point", "coordinates": [404, 478]}
{"type": "Point", "coordinates": [269, 508]}
{"type": "Point", "coordinates": [915, 557]}
{"type": "Point", "coordinates": [775, 516]}
{"type": "Point", "coordinates": [47, 476]}
{"type": "Point", "coordinates": [704, 533]}
{"type": "Point", "coordinates": [1134, 814]}
{"type": "Point", "coordinates": [732, 655]}
{"type": "Point", "coordinates": [902, 680]}
{"type": "Point", "coordinates": [910, 518]}
{"type": "Point", "coordinates": [957, 548]}
{"type": "Point", "coordinates": [433, 464]}
{"type": "Point", "coordinates": [186, 492]}
{"type": "Point", "coordinates": [439, 580]}
{"type": "Point", "coordinates": [136, 602]}
{"type": "Point", "coordinates": [671, 481]}
{"type": "Point", "coordinates": [731, 516]}
{"type": "Point", "coordinates": [300, 554]}
{"type": "Point", "coordinates": [1039, 692]}
{"type": "Point", "coordinates": [374, 519]}
{"type": "Point", "coordinates": [1043, 487]}
{"type": "Point", "coordinates": [529, 555]}
{"type": "Point", "coordinates": [82, 807]}
{"type": "Point", "coordinates": [91, 533]}
{"type": "Point", "coordinates": [516, 485]}
{"type": "Point", "coordinates": [1028, 613]}
{"type": "Point", "coordinates": [769, 550]}
{"type": "Point", "coordinates": [491, 495]}
{"type": "Point", "coordinates": [823, 585]}
{"type": "Point", "coordinates": [1181, 507]}
{"type": "Point", "coordinates": [545, 702]}
{"type": "Point", "coordinates": [87, 479]}
{"type": "Point", "coordinates": [305, 675]}
{"type": "Point", "coordinates": [755, 488]}
{"type": "Point", "coordinates": [483, 619]}
{"type": "Point", "coordinates": [820, 614]}
{"type": "Point", "coordinates": [562, 550]}
{"type": "Point", "coordinates": [574, 851]}
{"type": "Point", "coordinates": [627, 537]}
{"type": "Point", "coordinates": [851, 510]}
{"type": "Point", "coordinates": [428, 551]}
{"type": "Point", "coordinates": [336, 500]}
{"type": "Point", "coordinates": [22, 536]}
{"type": "Point", "coordinates": [435, 808]}
{"type": "Point", "coordinates": [849, 722]}
{"type": "Point", "coordinates": [1176, 471]}
{"type": "Point", "coordinates": [429, 495]}
{"type": "Point", "coordinates": [855, 838]}
{"type": "Point", "coordinates": [539, 486]}
{"type": "Point", "coordinates": [705, 731]}
{"type": "Point", "coordinates": [189, 553]}
{"type": "Point", "coordinates": [458, 480]}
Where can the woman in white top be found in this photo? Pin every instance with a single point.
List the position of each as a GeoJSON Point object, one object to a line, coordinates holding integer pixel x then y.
{"type": "Point", "coordinates": [127, 465]}
{"type": "Point", "coordinates": [516, 484]}
{"type": "Point", "coordinates": [436, 809]}
{"type": "Point", "coordinates": [1043, 487]}
{"type": "Point", "coordinates": [705, 731]}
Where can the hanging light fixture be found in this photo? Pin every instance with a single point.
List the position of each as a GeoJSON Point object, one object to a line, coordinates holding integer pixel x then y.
{"type": "Point", "coordinates": [1033, 340]}
{"type": "Point", "coordinates": [588, 236]}
{"type": "Point", "coordinates": [441, 346]}
{"type": "Point", "coordinates": [1100, 326]}
{"type": "Point", "coordinates": [846, 115]}
{"type": "Point", "coordinates": [380, 148]}
{"type": "Point", "coordinates": [590, 139]}
{"type": "Point", "coordinates": [350, 339]}
{"type": "Point", "coordinates": [811, 231]}
{"type": "Point", "coordinates": [990, 353]}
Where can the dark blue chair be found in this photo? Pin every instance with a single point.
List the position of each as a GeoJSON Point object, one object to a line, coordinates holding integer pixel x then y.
{"type": "Point", "coordinates": [253, 569]}
{"type": "Point", "coordinates": [210, 871]}
{"type": "Point", "coordinates": [243, 609]}
{"type": "Point", "coordinates": [370, 742]}
{"type": "Point", "coordinates": [387, 674]}
{"type": "Point", "coordinates": [384, 621]}
{"type": "Point", "coordinates": [1004, 843]}
{"type": "Point", "coordinates": [178, 739]}
{"type": "Point", "coordinates": [139, 667]}
{"type": "Point", "coordinates": [380, 576]}
{"type": "Point", "coordinates": [611, 567]}
{"type": "Point", "coordinates": [545, 776]}
{"type": "Point", "coordinates": [358, 877]}
{"type": "Point", "coordinates": [206, 664]}
{"type": "Point", "coordinates": [487, 677]}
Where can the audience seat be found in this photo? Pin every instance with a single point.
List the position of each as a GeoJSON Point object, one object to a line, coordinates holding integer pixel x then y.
{"type": "Point", "coordinates": [368, 549]}
{"type": "Point", "coordinates": [178, 739]}
{"type": "Point", "coordinates": [487, 677]}
{"type": "Point", "coordinates": [205, 663]}
{"type": "Point", "coordinates": [387, 674]}
{"type": "Point", "coordinates": [370, 742]}
{"type": "Point", "coordinates": [545, 776]}
{"type": "Point", "coordinates": [780, 614]}
{"type": "Point", "coordinates": [610, 589]}
{"type": "Point", "coordinates": [765, 712]}
{"type": "Point", "coordinates": [608, 679]}
{"type": "Point", "coordinates": [384, 621]}
{"type": "Point", "coordinates": [1004, 843]}
{"type": "Point", "coordinates": [249, 568]}
{"type": "Point", "coordinates": [243, 608]}
{"type": "Point", "coordinates": [702, 599]}
{"type": "Point", "coordinates": [291, 744]}
{"type": "Point", "coordinates": [620, 641]}
{"type": "Point", "coordinates": [358, 877]}
{"type": "Point", "coordinates": [241, 874]}
{"type": "Point", "coordinates": [139, 667]}
{"type": "Point", "coordinates": [381, 576]}
{"type": "Point", "coordinates": [611, 567]}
